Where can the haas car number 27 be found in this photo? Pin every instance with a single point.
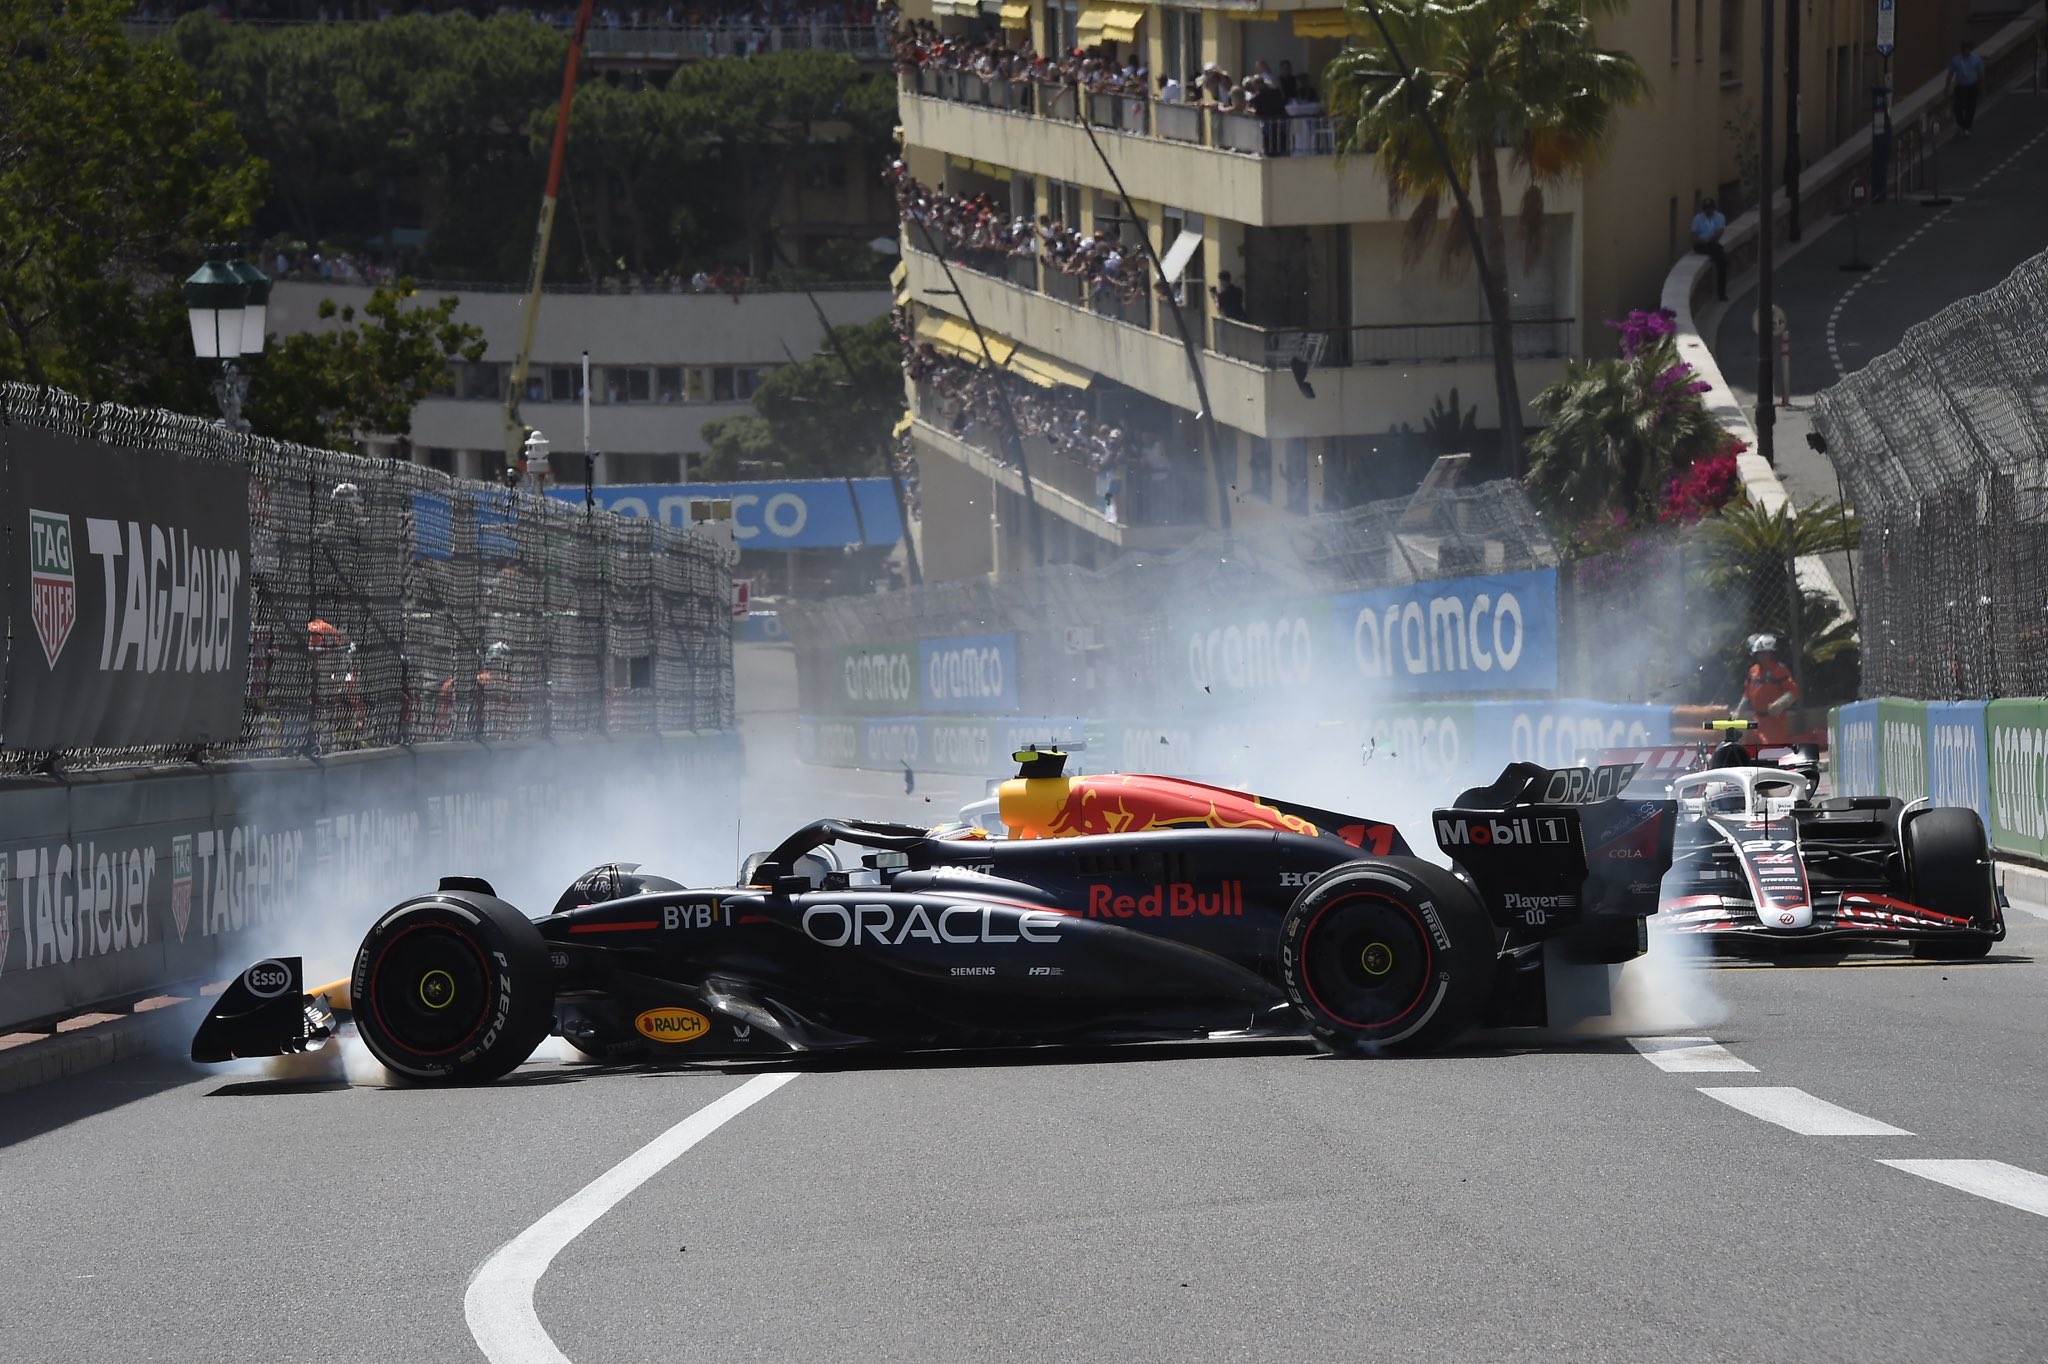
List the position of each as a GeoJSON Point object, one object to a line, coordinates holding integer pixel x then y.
{"type": "Point", "coordinates": [1112, 908]}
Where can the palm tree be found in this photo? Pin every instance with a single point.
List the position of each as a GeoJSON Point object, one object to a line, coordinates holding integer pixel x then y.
{"type": "Point", "coordinates": [1756, 553]}
{"type": "Point", "coordinates": [1614, 429]}
{"type": "Point", "coordinates": [1524, 75]}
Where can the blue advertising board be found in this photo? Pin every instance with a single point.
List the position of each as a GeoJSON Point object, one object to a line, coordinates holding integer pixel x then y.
{"type": "Point", "coordinates": [1852, 751]}
{"type": "Point", "coordinates": [433, 525]}
{"type": "Point", "coordinates": [974, 674]}
{"type": "Point", "coordinates": [1490, 634]}
{"type": "Point", "coordinates": [820, 513]}
{"type": "Point", "coordinates": [1958, 771]}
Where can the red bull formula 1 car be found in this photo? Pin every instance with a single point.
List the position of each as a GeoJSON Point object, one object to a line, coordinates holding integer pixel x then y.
{"type": "Point", "coordinates": [1118, 908]}
{"type": "Point", "coordinates": [1760, 862]}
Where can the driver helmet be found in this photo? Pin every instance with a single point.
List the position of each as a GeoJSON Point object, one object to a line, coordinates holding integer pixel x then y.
{"type": "Point", "coordinates": [1763, 644]}
{"type": "Point", "coordinates": [1731, 754]}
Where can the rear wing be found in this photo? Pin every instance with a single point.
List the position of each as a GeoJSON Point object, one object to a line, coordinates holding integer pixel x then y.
{"type": "Point", "coordinates": [1549, 846]}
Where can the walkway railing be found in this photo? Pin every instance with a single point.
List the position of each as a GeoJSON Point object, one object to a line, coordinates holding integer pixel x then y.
{"type": "Point", "coordinates": [866, 42]}
{"type": "Point", "coordinates": [1141, 116]}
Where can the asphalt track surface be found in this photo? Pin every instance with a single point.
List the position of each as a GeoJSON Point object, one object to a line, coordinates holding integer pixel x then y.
{"type": "Point", "coordinates": [1515, 1199]}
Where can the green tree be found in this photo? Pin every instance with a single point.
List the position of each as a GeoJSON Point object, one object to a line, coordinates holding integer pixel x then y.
{"type": "Point", "coordinates": [114, 174]}
{"type": "Point", "coordinates": [810, 421]}
{"type": "Point", "coordinates": [330, 387]}
{"type": "Point", "coordinates": [1615, 430]}
{"type": "Point", "coordinates": [1524, 75]}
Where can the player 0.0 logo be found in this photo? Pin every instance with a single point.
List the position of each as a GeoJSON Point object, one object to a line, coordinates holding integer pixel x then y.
{"type": "Point", "coordinates": [53, 580]}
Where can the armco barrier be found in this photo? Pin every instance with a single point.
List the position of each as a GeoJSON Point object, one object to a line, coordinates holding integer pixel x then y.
{"type": "Point", "coordinates": [119, 884]}
{"type": "Point", "coordinates": [1439, 743]}
{"type": "Point", "coordinates": [1991, 757]}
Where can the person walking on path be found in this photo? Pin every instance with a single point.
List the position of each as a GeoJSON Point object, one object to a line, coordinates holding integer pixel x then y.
{"type": "Point", "coordinates": [1707, 226]}
{"type": "Point", "coordinates": [1965, 79]}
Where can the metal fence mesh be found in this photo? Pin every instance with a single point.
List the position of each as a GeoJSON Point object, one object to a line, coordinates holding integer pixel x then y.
{"type": "Point", "coordinates": [1660, 619]}
{"type": "Point", "coordinates": [392, 604]}
{"type": "Point", "coordinates": [1942, 445]}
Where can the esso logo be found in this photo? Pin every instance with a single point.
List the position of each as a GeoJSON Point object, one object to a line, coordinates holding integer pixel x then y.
{"type": "Point", "coordinates": [267, 979]}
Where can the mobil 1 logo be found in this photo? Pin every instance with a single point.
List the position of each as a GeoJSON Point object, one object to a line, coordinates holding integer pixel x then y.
{"type": "Point", "coordinates": [1457, 829]}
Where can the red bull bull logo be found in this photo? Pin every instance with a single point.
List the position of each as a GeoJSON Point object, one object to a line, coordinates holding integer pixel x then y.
{"type": "Point", "coordinates": [1066, 807]}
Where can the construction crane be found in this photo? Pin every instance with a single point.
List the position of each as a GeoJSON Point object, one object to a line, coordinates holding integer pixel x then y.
{"type": "Point", "coordinates": [529, 315]}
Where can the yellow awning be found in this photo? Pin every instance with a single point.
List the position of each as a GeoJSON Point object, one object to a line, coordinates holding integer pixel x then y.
{"type": "Point", "coordinates": [987, 168]}
{"type": "Point", "coordinates": [950, 336]}
{"type": "Point", "coordinates": [900, 427]}
{"type": "Point", "coordinates": [1017, 14]}
{"type": "Point", "coordinates": [1047, 372]}
{"type": "Point", "coordinates": [900, 273]}
{"type": "Point", "coordinates": [1321, 23]}
{"type": "Point", "coordinates": [1101, 21]}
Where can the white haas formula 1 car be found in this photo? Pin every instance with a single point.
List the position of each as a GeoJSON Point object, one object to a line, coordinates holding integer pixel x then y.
{"type": "Point", "coordinates": [1758, 861]}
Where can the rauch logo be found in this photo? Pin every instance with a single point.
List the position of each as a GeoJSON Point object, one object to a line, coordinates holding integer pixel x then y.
{"type": "Point", "coordinates": [672, 1025]}
{"type": "Point", "coordinates": [53, 580]}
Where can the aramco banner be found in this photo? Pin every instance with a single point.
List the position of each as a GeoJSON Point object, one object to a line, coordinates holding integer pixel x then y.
{"type": "Point", "coordinates": [803, 513]}
{"type": "Point", "coordinates": [1444, 638]}
{"type": "Point", "coordinates": [1491, 634]}
{"type": "Point", "coordinates": [127, 590]}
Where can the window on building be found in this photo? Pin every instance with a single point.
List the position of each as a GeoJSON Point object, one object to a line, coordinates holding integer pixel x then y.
{"type": "Point", "coordinates": [1182, 43]}
{"type": "Point", "coordinates": [1062, 20]}
{"type": "Point", "coordinates": [565, 383]}
{"type": "Point", "coordinates": [721, 384]}
{"type": "Point", "coordinates": [1261, 467]}
{"type": "Point", "coordinates": [450, 382]}
{"type": "Point", "coordinates": [1295, 469]}
{"type": "Point", "coordinates": [696, 384]}
{"type": "Point", "coordinates": [1731, 40]}
{"type": "Point", "coordinates": [442, 458]}
{"type": "Point", "coordinates": [483, 382]}
{"type": "Point", "coordinates": [668, 384]}
{"type": "Point", "coordinates": [745, 381]}
{"type": "Point", "coordinates": [491, 465]}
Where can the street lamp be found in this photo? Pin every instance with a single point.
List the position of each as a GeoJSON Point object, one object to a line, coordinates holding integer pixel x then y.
{"type": "Point", "coordinates": [228, 304]}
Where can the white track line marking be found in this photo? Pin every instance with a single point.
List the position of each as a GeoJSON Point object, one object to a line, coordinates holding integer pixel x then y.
{"type": "Point", "coordinates": [1992, 1179]}
{"type": "Point", "coordinates": [1797, 1111]}
{"type": "Point", "coordinates": [499, 1303]}
{"type": "Point", "coordinates": [1688, 1054]}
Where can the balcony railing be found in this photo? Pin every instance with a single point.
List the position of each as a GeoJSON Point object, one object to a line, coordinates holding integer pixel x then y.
{"type": "Point", "coordinates": [1415, 343]}
{"type": "Point", "coordinates": [1139, 116]}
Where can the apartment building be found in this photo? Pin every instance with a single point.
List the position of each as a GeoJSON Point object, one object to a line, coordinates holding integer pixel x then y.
{"type": "Point", "coordinates": [662, 366]}
{"type": "Point", "coordinates": [1312, 241]}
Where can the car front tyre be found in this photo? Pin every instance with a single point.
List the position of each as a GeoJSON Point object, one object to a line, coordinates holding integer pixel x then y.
{"type": "Point", "coordinates": [452, 989]}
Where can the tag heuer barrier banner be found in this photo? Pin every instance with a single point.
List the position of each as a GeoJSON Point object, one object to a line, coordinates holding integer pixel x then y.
{"type": "Point", "coordinates": [127, 587]}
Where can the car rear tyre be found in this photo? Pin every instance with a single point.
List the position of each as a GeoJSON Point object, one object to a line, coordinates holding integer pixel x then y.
{"type": "Point", "coordinates": [452, 989]}
{"type": "Point", "coordinates": [1948, 863]}
{"type": "Point", "coordinates": [1387, 955]}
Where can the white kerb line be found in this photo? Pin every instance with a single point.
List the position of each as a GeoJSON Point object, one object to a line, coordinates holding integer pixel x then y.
{"type": "Point", "coordinates": [499, 1303]}
{"type": "Point", "coordinates": [1797, 1111]}
{"type": "Point", "coordinates": [1688, 1054]}
{"type": "Point", "coordinates": [1992, 1179]}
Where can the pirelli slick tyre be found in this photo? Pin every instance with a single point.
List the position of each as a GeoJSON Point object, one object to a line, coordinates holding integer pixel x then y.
{"type": "Point", "coordinates": [454, 988]}
{"type": "Point", "coordinates": [1387, 955]}
{"type": "Point", "coordinates": [1949, 866]}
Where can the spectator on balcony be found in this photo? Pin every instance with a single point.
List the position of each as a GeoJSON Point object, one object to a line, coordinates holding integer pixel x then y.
{"type": "Point", "coordinates": [1271, 107]}
{"type": "Point", "coordinates": [1169, 89]}
{"type": "Point", "coordinates": [1229, 298]}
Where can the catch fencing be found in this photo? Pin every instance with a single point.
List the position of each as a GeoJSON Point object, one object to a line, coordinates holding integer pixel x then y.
{"type": "Point", "coordinates": [1274, 614]}
{"type": "Point", "coordinates": [1120, 633]}
{"type": "Point", "coordinates": [389, 604]}
{"type": "Point", "coordinates": [1942, 445]}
